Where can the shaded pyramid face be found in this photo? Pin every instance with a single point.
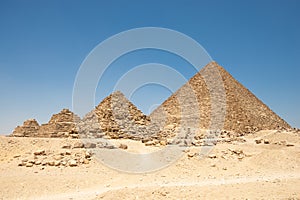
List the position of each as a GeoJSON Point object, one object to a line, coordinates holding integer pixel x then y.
{"type": "Point", "coordinates": [242, 110]}
{"type": "Point", "coordinates": [116, 117]}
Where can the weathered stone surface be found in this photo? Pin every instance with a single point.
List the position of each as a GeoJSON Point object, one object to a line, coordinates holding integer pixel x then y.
{"type": "Point", "coordinates": [89, 126]}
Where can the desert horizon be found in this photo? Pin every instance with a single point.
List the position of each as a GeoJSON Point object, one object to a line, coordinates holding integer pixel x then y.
{"type": "Point", "coordinates": [166, 155]}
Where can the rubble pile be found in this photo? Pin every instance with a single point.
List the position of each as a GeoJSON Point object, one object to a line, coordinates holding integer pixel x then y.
{"type": "Point", "coordinates": [64, 158]}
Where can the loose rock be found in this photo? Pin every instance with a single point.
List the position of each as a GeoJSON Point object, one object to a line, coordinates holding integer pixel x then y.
{"type": "Point", "coordinates": [39, 152]}
{"type": "Point", "coordinates": [29, 164]}
{"type": "Point", "coordinates": [66, 146]}
{"type": "Point", "coordinates": [89, 145]}
{"type": "Point", "coordinates": [72, 163]}
{"type": "Point", "coordinates": [212, 156]}
{"type": "Point", "coordinates": [258, 141]}
{"type": "Point", "coordinates": [266, 141]}
{"type": "Point", "coordinates": [290, 145]}
{"type": "Point", "coordinates": [78, 145]}
{"type": "Point", "coordinates": [123, 146]}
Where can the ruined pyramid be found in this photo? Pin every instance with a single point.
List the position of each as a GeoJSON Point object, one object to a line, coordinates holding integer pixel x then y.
{"type": "Point", "coordinates": [243, 111]}
{"type": "Point", "coordinates": [62, 124]}
{"type": "Point", "coordinates": [115, 117]}
{"type": "Point", "coordinates": [29, 128]}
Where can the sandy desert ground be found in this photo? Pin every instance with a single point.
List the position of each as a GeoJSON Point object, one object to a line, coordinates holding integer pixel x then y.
{"type": "Point", "coordinates": [237, 170]}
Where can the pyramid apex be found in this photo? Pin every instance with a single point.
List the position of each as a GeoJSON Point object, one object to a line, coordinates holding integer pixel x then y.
{"type": "Point", "coordinates": [117, 93]}
{"type": "Point", "coordinates": [213, 64]}
{"type": "Point", "coordinates": [65, 110]}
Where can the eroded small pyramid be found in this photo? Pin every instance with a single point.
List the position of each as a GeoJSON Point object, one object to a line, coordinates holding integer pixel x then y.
{"type": "Point", "coordinates": [29, 128]}
{"type": "Point", "coordinates": [115, 117]}
{"type": "Point", "coordinates": [62, 124]}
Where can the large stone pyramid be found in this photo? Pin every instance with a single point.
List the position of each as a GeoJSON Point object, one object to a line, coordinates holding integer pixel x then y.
{"type": "Point", "coordinates": [243, 113]}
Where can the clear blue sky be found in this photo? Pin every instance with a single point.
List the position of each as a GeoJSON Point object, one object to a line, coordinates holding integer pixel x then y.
{"type": "Point", "coordinates": [43, 43]}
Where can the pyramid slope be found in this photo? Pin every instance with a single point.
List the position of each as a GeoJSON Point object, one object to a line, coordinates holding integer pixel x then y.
{"type": "Point", "coordinates": [244, 111]}
{"type": "Point", "coordinates": [244, 106]}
